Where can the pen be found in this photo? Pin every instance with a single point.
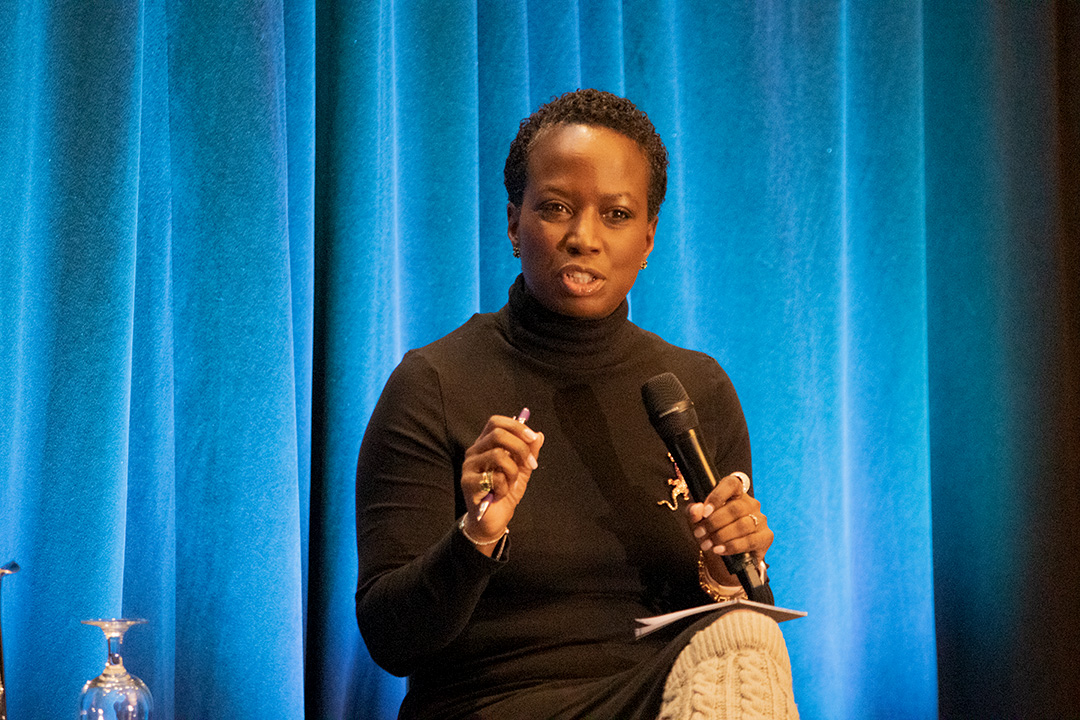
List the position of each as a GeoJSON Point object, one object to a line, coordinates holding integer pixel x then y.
{"type": "Point", "coordinates": [522, 417]}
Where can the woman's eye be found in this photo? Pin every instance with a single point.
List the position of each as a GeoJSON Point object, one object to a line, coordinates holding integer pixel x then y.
{"type": "Point", "coordinates": [553, 209]}
{"type": "Point", "coordinates": [619, 215]}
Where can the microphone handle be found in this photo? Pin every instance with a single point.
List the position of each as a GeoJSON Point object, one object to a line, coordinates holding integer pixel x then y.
{"type": "Point", "coordinates": [697, 471]}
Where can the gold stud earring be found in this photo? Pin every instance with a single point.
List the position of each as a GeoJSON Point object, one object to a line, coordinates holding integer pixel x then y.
{"type": "Point", "coordinates": [517, 251]}
{"type": "Point", "coordinates": [644, 264]}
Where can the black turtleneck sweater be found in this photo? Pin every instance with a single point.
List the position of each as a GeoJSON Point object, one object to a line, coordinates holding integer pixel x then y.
{"type": "Point", "coordinates": [590, 547]}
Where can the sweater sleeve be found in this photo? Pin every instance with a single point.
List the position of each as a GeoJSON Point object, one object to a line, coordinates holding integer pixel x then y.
{"type": "Point", "coordinates": [419, 579]}
{"type": "Point", "coordinates": [731, 435]}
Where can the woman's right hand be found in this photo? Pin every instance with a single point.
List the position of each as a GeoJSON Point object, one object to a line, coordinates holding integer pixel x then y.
{"type": "Point", "coordinates": [509, 450]}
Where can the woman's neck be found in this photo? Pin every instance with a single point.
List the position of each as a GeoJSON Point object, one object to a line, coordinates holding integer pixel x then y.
{"type": "Point", "coordinates": [579, 343]}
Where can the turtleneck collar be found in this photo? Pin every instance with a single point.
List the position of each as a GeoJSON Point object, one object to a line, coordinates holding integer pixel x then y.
{"type": "Point", "coordinates": [581, 343]}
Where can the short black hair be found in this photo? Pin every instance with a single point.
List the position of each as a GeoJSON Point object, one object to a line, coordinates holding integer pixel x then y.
{"type": "Point", "coordinates": [589, 107]}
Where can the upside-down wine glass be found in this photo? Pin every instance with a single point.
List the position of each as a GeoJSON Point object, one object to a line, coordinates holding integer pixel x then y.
{"type": "Point", "coordinates": [115, 694]}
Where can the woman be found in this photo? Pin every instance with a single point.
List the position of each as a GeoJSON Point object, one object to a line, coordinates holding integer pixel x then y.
{"type": "Point", "coordinates": [503, 562]}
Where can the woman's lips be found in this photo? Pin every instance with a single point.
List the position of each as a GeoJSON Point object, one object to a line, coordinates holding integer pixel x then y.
{"type": "Point", "coordinates": [580, 281]}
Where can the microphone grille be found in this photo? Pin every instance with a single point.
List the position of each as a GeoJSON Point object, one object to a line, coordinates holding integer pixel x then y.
{"type": "Point", "coordinates": [669, 407]}
{"type": "Point", "coordinates": [662, 391]}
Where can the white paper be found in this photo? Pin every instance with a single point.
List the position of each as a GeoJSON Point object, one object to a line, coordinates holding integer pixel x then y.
{"type": "Point", "coordinates": [654, 623]}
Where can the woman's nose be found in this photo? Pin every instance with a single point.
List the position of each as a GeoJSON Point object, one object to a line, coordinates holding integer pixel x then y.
{"type": "Point", "coordinates": [583, 237]}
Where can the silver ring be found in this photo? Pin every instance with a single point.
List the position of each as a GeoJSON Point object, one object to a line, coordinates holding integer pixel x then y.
{"type": "Point", "coordinates": [744, 479]}
{"type": "Point", "coordinates": [487, 481]}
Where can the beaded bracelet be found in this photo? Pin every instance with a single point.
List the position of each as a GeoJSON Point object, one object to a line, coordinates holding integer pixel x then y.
{"type": "Point", "coordinates": [714, 589]}
{"type": "Point", "coordinates": [461, 527]}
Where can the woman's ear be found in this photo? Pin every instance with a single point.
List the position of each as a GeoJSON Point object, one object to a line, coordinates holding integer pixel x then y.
{"type": "Point", "coordinates": [650, 236]}
{"type": "Point", "coordinates": [513, 217]}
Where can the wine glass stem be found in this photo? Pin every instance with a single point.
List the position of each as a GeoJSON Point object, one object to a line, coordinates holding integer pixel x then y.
{"type": "Point", "coordinates": [114, 650]}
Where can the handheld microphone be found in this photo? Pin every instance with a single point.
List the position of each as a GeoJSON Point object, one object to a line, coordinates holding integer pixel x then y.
{"type": "Point", "coordinates": [673, 416]}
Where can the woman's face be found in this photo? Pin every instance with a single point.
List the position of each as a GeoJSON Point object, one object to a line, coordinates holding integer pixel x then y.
{"type": "Point", "coordinates": [583, 227]}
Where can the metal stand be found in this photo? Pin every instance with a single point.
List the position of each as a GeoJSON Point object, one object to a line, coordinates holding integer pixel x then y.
{"type": "Point", "coordinates": [10, 569]}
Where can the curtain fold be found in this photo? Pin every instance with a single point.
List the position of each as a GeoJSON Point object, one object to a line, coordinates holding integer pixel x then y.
{"type": "Point", "coordinates": [221, 225]}
{"type": "Point", "coordinates": [69, 277]}
{"type": "Point", "coordinates": [239, 641]}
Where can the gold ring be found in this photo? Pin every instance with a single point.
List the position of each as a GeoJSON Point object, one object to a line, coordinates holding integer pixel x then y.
{"type": "Point", "coordinates": [754, 518]}
{"type": "Point", "coordinates": [487, 481]}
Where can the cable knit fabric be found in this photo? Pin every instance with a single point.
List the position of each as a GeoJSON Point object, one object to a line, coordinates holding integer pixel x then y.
{"type": "Point", "coordinates": [736, 668]}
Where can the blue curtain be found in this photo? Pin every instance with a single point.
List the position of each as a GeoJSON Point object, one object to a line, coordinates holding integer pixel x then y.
{"type": "Point", "coordinates": [222, 224]}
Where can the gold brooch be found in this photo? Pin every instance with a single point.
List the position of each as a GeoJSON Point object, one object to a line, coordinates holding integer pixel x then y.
{"type": "Point", "coordinates": [678, 488]}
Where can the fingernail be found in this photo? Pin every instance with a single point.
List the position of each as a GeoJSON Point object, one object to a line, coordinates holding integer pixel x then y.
{"type": "Point", "coordinates": [705, 545]}
{"type": "Point", "coordinates": [719, 549]}
{"type": "Point", "coordinates": [707, 511]}
{"type": "Point", "coordinates": [532, 462]}
{"type": "Point", "coordinates": [529, 434]}
{"type": "Point", "coordinates": [699, 532]}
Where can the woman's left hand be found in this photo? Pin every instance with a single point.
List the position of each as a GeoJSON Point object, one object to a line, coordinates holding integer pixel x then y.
{"type": "Point", "coordinates": [729, 522]}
